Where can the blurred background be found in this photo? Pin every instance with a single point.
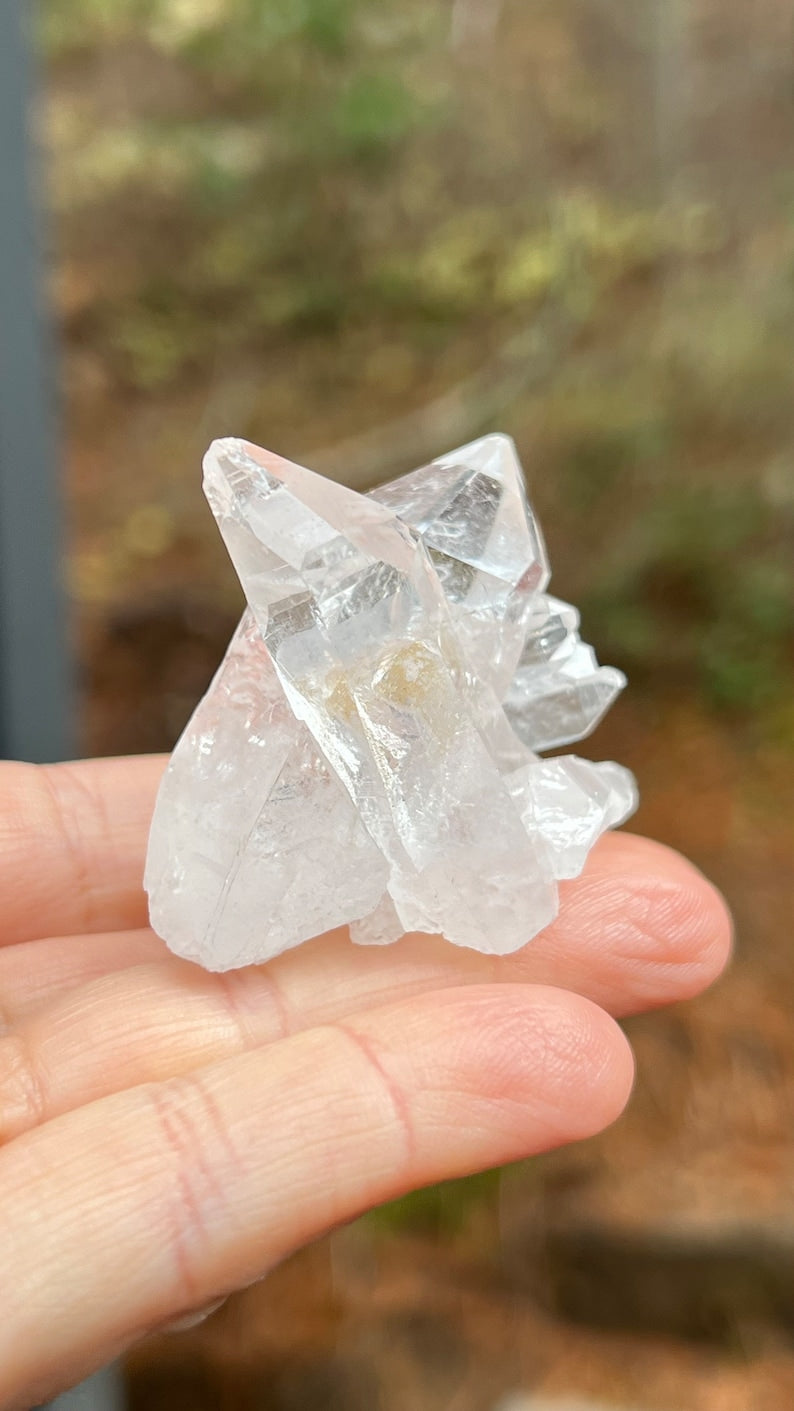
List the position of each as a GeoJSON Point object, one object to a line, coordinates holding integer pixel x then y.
{"type": "Point", "coordinates": [362, 233]}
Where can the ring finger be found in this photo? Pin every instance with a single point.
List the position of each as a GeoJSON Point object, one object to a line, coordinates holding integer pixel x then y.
{"type": "Point", "coordinates": [641, 928]}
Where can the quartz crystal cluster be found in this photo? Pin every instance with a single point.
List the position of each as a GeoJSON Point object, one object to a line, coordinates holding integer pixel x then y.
{"type": "Point", "coordinates": [368, 751]}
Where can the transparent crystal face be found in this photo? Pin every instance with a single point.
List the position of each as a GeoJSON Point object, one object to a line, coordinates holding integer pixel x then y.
{"type": "Point", "coordinates": [471, 511]}
{"type": "Point", "coordinates": [367, 751]}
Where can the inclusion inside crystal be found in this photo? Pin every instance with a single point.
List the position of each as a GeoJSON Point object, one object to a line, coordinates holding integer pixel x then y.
{"type": "Point", "coordinates": [368, 751]}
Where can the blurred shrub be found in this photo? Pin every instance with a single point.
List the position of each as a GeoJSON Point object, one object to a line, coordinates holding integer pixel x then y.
{"type": "Point", "coordinates": [359, 192]}
{"type": "Point", "coordinates": [440, 1210]}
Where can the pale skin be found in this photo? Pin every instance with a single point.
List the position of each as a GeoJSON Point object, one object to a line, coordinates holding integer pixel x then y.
{"type": "Point", "coordinates": [167, 1135]}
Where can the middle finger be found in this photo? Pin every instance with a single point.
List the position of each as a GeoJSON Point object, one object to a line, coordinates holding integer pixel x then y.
{"type": "Point", "coordinates": [640, 928]}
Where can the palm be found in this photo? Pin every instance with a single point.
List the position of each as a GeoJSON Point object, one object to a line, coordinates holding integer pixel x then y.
{"type": "Point", "coordinates": [170, 1134]}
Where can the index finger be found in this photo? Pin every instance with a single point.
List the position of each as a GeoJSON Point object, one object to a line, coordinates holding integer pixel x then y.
{"type": "Point", "coordinates": [72, 844]}
{"type": "Point", "coordinates": [197, 1185]}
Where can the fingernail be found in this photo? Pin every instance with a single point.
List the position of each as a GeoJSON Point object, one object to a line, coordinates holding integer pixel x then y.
{"type": "Point", "coordinates": [191, 1320]}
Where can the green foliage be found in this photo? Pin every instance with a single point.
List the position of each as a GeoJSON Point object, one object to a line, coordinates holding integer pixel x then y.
{"type": "Point", "coordinates": [186, 26]}
{"type": "Point", "coordinates": [322, 184]}
{"type": "Point", "coordinates": [68, 26]}
{"type": "Point", "coordinates": [440, 1210]}
{"type": "Point", "coordinates": [374, 113]}
{"type": "Point", "coordinates": [709, 590]}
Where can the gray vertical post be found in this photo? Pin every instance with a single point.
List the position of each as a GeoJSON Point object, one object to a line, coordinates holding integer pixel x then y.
{"type": "Point", "coordinates": [36, 718]}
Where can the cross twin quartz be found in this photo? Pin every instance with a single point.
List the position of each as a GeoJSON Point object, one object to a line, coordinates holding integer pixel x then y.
{"type": "Point", "coordinates": [368, 753]}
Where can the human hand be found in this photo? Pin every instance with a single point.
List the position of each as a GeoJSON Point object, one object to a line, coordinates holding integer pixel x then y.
{"type": "Point", "coordinates": [167, 1135]}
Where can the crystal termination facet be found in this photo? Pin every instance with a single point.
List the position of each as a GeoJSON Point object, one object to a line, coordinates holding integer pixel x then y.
{"type": "Point", "coordinates": [368, 751]}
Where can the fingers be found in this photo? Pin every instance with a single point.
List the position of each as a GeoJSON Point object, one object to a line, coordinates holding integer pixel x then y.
{"type": "Point", "coordinates": [642, 927]}
{"type": "Point", "coordinates": [72, 845]}
{"type": "Point", "coordinates": [35, 973]}
{"type": "Point", "coordinates": [198, 1185]}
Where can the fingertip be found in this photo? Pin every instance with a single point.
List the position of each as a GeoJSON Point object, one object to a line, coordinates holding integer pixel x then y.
{"type": "Point", "coordinates": [554, 1064]}
{"type": "Point", "coordinates": [668, 932]}
{"type": "Point", "coordinates": [682, 933]}
{"type": "Point", "coordinates": [695, 926]}
{"type": "Point", "coordinates": [589, 1068]}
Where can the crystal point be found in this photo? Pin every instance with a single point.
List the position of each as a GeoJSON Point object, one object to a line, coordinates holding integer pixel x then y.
{"type": "Point", "coordinates": [367, 751]}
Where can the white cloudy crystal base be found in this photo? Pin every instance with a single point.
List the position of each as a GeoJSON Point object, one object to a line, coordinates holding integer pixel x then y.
{"type": "Point", "coordinates": [367, 752]}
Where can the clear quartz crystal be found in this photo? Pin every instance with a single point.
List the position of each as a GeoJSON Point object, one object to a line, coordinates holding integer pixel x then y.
{"type": "Point", "coordinates": [366, 752]}
{"type": "Point", "coordinates": [471, 513]}
{"type": "Point", "coordinates": [558, 692]}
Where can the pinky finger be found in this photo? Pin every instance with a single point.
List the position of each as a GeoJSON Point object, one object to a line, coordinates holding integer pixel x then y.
{"type": "Point", "coordinates": [124, 1214]}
